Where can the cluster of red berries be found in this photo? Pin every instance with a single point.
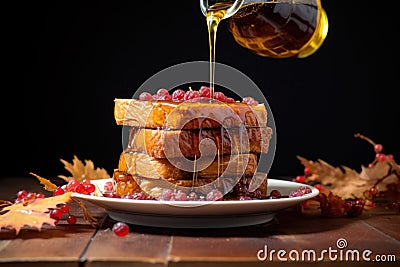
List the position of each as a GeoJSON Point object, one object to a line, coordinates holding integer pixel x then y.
{"type": "Point", "coordinates": [168, 194]}
{"type": "Point", "coordinates": [301, 191]}
{"type": "Point", "coordinates": [180, 95]}
{"type": "Point", "coordinates": [373, 193]}
{"type": "Point", "coordinates": [74, 185]}
{"type": "Point", "coordinates": [379, 156]}
{"type": "Point", "coordinates": [58, 213]}
{"type": "Point", "coordinates": [25, 198]}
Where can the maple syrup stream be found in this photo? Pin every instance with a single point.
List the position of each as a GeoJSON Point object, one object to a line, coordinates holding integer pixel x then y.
{"type": "Point", "coordinates": [215, 14]}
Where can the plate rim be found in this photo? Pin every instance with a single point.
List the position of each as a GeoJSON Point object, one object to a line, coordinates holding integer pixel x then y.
{"type": "Point", "coordinates": [192, 203]}
{"type": "Point", "coordinates": [210, 214]}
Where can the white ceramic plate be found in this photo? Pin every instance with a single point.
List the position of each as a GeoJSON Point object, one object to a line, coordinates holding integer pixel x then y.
{"type": "Point", "coordinates": [198, 214]}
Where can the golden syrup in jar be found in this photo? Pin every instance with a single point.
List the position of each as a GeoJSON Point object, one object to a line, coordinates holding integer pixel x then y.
{"type": "Point", "coordinates": [276, 30]}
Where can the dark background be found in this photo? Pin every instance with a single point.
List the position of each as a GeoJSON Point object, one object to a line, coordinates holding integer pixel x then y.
{"type": "Point", "coordinates": [66, 62]}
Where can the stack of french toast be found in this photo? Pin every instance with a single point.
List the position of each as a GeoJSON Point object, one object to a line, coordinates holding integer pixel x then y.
{"type": "Point", "coordinates": [191, 145]}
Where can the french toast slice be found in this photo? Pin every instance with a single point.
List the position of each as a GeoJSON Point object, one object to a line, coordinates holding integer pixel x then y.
{"type": "Point", "coordinates": [187, 115]}
{"type": "Point", "coordinates": [187, 143]}
{"type": "Point", "coordinates": [173, 169]}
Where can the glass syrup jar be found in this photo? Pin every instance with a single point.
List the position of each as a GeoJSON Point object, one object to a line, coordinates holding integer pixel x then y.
{"type": "Point", "coordinates": [274, 28]}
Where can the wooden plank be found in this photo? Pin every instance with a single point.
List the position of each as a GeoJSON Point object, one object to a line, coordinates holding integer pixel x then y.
{"type": "Point", "coordinates": [141, 247]}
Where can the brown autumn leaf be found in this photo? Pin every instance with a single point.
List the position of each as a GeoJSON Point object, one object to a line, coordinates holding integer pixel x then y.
{"type": "Point", "coordinates": [34, 214]}
{"type": "Point", "coordinates": [348, 183]}
{"type": "Point", "coordinates": [81, 171]}
{"type": "Point", "coordinates": [343, 182]}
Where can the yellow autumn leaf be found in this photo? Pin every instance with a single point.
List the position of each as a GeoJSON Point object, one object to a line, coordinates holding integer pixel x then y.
{"type": "Point", "coordinates": [81, 171]}
{"type": "Point", "coordinates": [34, 214]}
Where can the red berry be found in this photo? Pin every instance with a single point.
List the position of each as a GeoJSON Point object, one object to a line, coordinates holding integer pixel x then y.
{"type": "Point", "coordinates": [71, 219]}
{"type": "Point", "coordinates": [373, 191]}
{"type": "Point", "coordinates": [380, 157]}
{"type": "Point", "coordinates": [189, 95]}
{"type": "Point", "coordinates": [162, 92]}
{"type": "Point", "coordinates": [64, 208]}
{"type": "Point", "coordinates": [275, 194]}
{"type": "Point", "coordinates": [178, 95]}
{"type": "Point", "coordinates": [319, 187]}
{"type": "Point", "coordinates": [166, 194]}
{"type": "Point", "coordinates": [307, 171]}
{"type": "Point", "coordinates": [378, 148]}
{"type": "Point", "coordinates": [30, 196]}
{"type": "Point", "coordinates": [220, 96]}
{"type": "Point", "coordinates": [371, 165]}
{"type": "Point", "coordinates": [230, 100]}
{"type": "Point", "coordinates": [58, 191]}
{"type": "Point", "coordinates": [389, 157]}
{"type": "Point", "coordinates": [300, 179]}
{"type": "Point", "coordinates": [205, 91]}
{"type": "Point", "coordinates": [108, 187]}
{"type": "Point", "coordinates": [22, 194]}
{"type": "Point", "coordinates": [145, 96]}
{"type": "Point", "coordinates": [90, 188]}
{"type": "Point", "coordinates": [56, 214]}
{"type": "Point", "coordinates": [120, 229]}
{"type": "Point", "coordinates": [180, 196]}
{"type": "Point", "coordinates": [215, 194]}
{"type": "Point", "coordinates": [72, 184]}
{"type": "Point", "coordinates": [80, 189]}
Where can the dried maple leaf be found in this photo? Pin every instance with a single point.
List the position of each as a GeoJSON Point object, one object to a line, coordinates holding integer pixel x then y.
{"type": "Point", "coordinates": [81, 171]}
{"type": "Point", "coordinates": [48, 185]}
{"type": "Point", "coordinates": [343, 182]}
{"type": "Point", "coordinates": [34, 214]}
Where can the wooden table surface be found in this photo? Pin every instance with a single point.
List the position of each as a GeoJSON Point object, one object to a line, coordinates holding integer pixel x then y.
{"type": "Point", "coordinates": [374, 237]}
